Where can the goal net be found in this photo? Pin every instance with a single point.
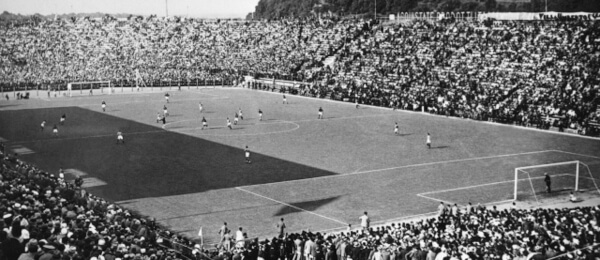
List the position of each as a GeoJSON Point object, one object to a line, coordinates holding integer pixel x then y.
{"type": "Point", "coordinates": [538, 182]}
{"type": "Point", "coordinates": [89, 87]}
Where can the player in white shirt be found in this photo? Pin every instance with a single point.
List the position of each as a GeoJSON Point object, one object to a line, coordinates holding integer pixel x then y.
{"type": "Point", "coordinates": [365, 221]}
{"type": "Point", "coordinates": [55, 130]}
{"type": "Point", "coordinates": [229, 124]}
{"type": "Point", "coordinates": [103, 106]}
{"type": "Point", "coordinates": [165, 112]}
{"type": "Point", "coordinates": [260, 114]}
{"type": "Point", "coordinates": [396, 129]}
{"type": "Point", "coordinates": [320, 113]}
{"type": "Point", "coordinates": [167, 97]}
{"type": "Point", "coordinates": [158, 117]}
{"type": "Point", "coordinates": [240, 112]}
{"type": "Point", "coordinates": [285, 99]}
{"type": "Point", "coordinates": [428, 141]}
{"type": "Point", "coordinates": [62, 119]}
{"type": "Point", "coordinates": [247, 154]}
{"type": "Point", "coordinates": [235, 119]}
{"type": "Point", "coordinates": [200, 107]}
{"type": "Point", "coordinates": [120, 138]}
{"type": "Point", "coordinates": [42, 125]}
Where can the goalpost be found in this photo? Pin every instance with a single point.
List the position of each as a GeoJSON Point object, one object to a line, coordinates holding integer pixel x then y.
{"type": "Point", "coordinates": [88, 86]}
{"type": "Point", "coordinates": [565, 177]}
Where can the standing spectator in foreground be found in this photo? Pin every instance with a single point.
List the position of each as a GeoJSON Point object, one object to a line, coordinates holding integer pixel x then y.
{"type": "Point", "coordinates": [239, 237]}
{"type": "Point", "coordinates": [223, 230]}
{"type": "Point", "coordinates": [548, 182]}
{"type": "Point", "coordinates": [441, 209]}
{"type": "Point", "coordinates": [365, 221]}
{"type": "Point", "coordinates": [281, 228]}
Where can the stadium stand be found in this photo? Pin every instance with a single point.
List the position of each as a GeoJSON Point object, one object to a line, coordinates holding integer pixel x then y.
{"type": "Point", "coordinates": [541, 73]}
{"type": "Point", "coordinates": [531, 73]}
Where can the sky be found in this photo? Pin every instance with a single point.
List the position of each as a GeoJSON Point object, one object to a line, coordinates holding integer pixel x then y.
{"type": "Point", "coordinates": [191, 8]}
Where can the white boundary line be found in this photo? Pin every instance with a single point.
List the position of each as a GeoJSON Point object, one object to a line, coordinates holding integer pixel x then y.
{"type": "Point", "coordinates": [146, 101]}
{"type": "Point", "coordinates": [423, 194]}
{"type": "Point", "coordinates": [579, 154]}
{"type": "Point", "coordinates": [431, 198]}
{"type": "Point", "coordinates": [486, 184]}
{"type": "Point", "coordinates": [433, 115]}
{"type": "Point", "coordinates": [289, 205]}
{"type": "Point", "coordinates": [404, 166]}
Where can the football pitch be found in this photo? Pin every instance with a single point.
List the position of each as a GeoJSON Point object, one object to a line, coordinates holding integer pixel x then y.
{"type": "Point", "coordinates": [318, 174]}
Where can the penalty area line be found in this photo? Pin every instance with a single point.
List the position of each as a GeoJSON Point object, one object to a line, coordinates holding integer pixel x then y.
{"type": "Point", "coordinates": [402, 167]}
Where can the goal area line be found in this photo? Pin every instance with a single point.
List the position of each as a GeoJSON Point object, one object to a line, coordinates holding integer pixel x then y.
{"type": "Point", "coordinates": [427, 194]}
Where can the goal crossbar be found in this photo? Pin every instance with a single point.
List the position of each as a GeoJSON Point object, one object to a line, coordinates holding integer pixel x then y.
{"type": "Point", "coordinates": [541, 166]}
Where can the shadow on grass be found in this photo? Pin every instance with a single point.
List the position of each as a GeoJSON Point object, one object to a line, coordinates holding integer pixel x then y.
{"type": "Point", "coordinates": [310, 205]}
{"type": "Point", "coordinates": [152, 163]}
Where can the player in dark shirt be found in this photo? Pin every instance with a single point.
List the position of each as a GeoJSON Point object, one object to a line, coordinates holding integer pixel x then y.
{"type": "Point", "coordinates": [204, 123]}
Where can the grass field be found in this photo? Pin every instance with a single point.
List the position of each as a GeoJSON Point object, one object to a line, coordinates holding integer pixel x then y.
{"type": "Point", "coordinates": [317, 174]}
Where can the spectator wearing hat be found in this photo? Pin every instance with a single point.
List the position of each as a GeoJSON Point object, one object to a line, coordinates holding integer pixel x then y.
{"type": "Point", "coordinates": [48, 252]}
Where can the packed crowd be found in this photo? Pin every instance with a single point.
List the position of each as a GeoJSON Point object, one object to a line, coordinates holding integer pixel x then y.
{"type": "Point", "coordinates": [47, 217]}
{"type": "Point", "coordinates": [469, 233]}
{"type": "Point", "coordinates": [528, 73]}
{"type": "Point", "coordinates": [541, 73]}
{"type": "Point", "coordinates": [153, 49]}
